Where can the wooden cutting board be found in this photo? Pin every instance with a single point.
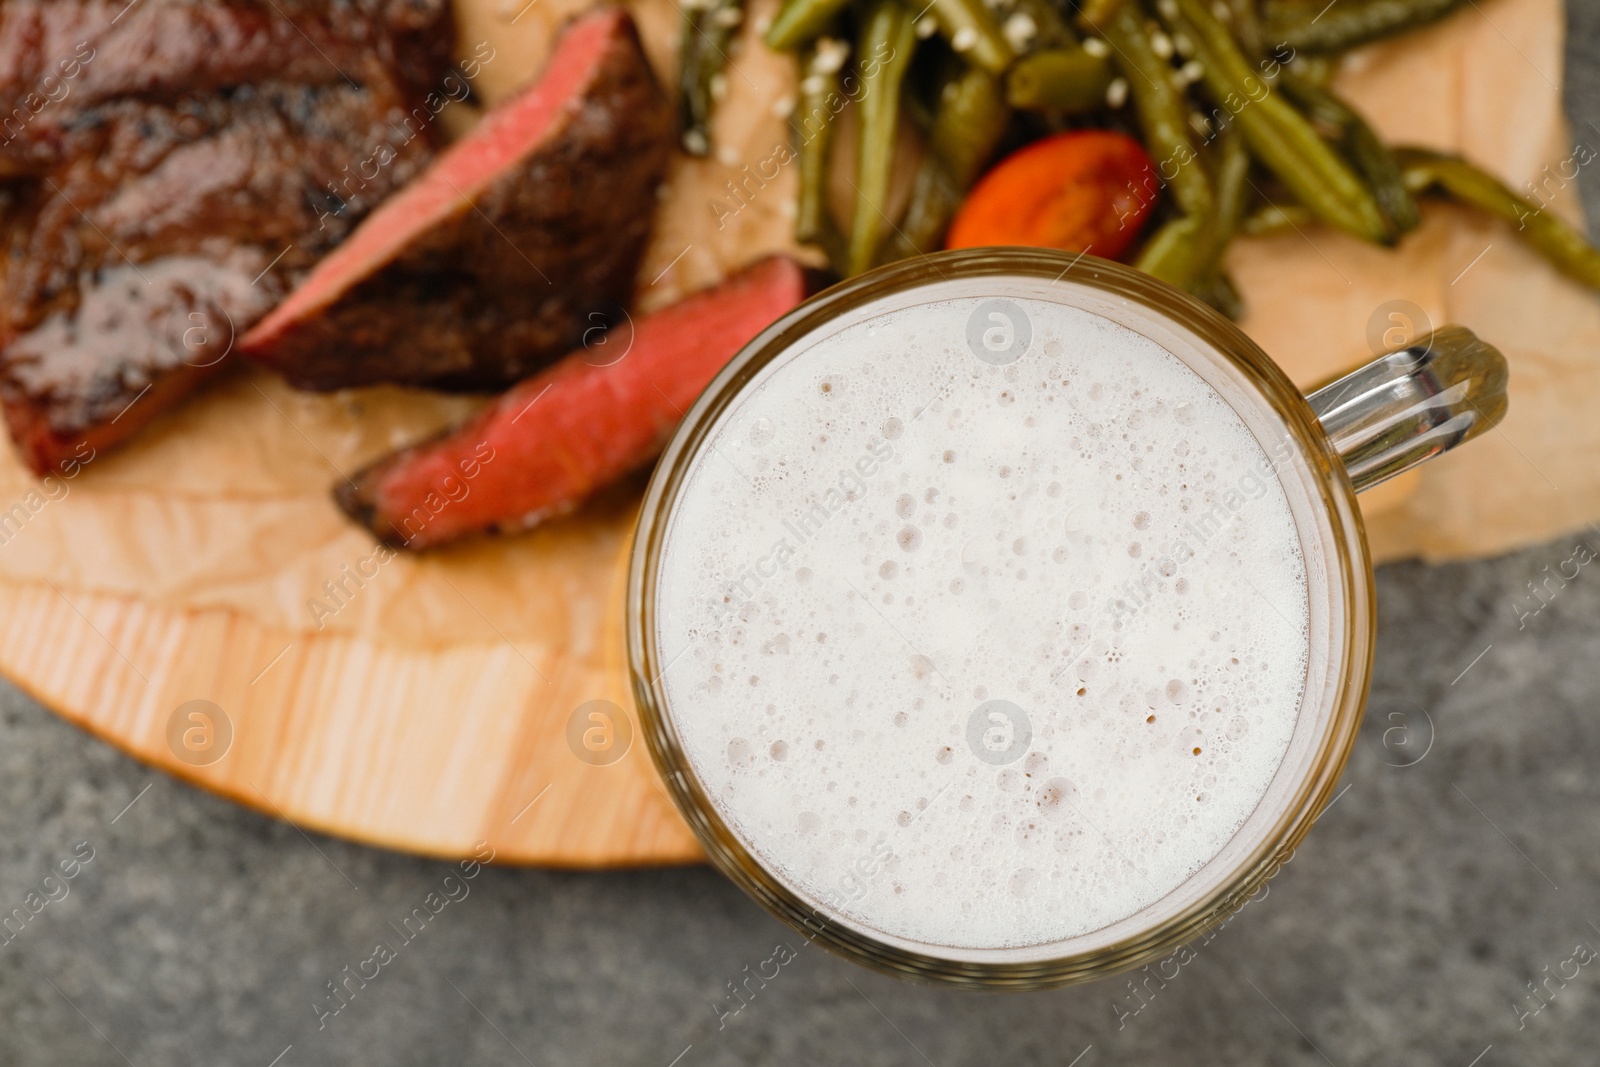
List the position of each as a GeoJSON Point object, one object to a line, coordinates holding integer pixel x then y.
{"type": "Point", "coordinates": [431, 751]}
{"type": "Point", "coordinates": [471, 696]}
{"type": "Point", "coordinates": [167, 597]}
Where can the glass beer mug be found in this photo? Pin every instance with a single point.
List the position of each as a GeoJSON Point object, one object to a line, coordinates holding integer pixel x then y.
{"type": "Point", "coordinates": [1005, 618]}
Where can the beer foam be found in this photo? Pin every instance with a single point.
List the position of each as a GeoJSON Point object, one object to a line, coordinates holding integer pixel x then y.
{"type": "Point", "coordinates": [983, 654]}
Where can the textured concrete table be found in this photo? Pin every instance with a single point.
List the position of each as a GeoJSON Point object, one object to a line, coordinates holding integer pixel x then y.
{"type": "Point", "coordinates": [1405, 933]}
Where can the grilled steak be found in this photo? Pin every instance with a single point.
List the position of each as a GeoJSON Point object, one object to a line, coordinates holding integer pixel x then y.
{"type": "Point", "coordinates": [553, 441]}
{"type": "Point", "coordinates": [153, 212]}
{"type": "Point", "coordinates": [519, 238]}
{"type": "Point", "coordinates": [60, 57]}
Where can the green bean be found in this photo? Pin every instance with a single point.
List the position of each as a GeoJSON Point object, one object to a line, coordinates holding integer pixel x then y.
{"type": "Point", "coordinates": [800, 21]}
{"type": "Point", "coordinates": [1218, 228]}
{"type": "Point", "coordinates": [1208, 281]}
{"type": "Point", "coordinates": [1561, 244]}
{"type": "Point", "coordinates": [887, 38]}
{"type": "Point", "coordinates": [972, 117]}
{"type": "Point", "coordinates": [970, 122]}
{"type": "Point", "coordinates": [973, 33]}
{"type": "Point", "coordinates": [1370, 155]}
{"type": "Point", "coordinates": [1246, 18]}
{"type": "Point", "coordinates": [707, 31]}
{"type": "Point", "coordinates": [813, 127]}
{"type": "Point", "coordinates": [1275, 219]}
{"type": "Point", "coordinates": [1217, 289]}
{"type": "Point", "coordinates": [1187, 251]}
{"type": "Point", "coordinates": [1336, 27]}
{"type": "Point", "coordinates": [1315, 70]}
{"type": "Point", "coordinates": [1059, 79]}
{"type": "Point", "coordinates": [1050, 28]}
{"type": "Point", "coordinates": [934, 200]}
{"type": "Point", "coordinates": [1169, 254]}
{"type": "Point", "coordinates": [1095, 14]}
{"type": "Point", "coordinates": [1277, 134]}
{"type": "Point", "coordinates": [1163, 110]}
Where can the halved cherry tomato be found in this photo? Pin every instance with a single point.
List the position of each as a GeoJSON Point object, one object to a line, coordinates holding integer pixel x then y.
{"type": "Point", "coordinates": [1085, 191]}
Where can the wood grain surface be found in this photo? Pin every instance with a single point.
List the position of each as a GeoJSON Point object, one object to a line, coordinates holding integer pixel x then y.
{"type": "Point", "coordinates": [431, 751]}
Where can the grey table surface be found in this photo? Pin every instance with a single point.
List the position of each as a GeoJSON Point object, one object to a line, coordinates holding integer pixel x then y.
{"type": "Point", "coordinates": [1407, 930]}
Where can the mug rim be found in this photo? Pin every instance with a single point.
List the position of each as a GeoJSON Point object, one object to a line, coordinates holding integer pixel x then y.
{"type": "Point", "coordinates": [1351, 580]}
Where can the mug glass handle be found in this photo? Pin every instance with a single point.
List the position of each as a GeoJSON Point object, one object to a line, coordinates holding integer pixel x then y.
{"type": "Point", "coordinates": [1411, 405]}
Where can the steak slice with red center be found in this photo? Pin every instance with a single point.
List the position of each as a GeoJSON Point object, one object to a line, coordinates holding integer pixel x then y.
{"type": "Point", "coordinates": [553, 441]}
{"type": "Point", "coordinates": [520, 236]}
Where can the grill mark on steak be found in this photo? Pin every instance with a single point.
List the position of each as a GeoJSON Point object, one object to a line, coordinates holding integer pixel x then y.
{"type": "Point", "coordinates": [150, 231]}
{"type": "Point", "coordinates": [493, 263]}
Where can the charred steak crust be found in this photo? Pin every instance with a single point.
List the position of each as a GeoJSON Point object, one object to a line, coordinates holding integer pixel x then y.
{"type": "Point", "coordinates": [504, 285]}
{"type": "Point", "coordinates": [62, 58]}
{"type": "Point", "coordinates": [153, 213]}
{"type": "Point", "coordinates": [152, 251]}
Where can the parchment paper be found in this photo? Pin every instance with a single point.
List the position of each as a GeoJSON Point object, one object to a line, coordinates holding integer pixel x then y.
{"type": "Point", "coordinates": [224, 502]}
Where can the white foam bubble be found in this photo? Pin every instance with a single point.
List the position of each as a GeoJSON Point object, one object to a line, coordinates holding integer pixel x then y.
{"type": "Point", "coordinates": [1084, 535]}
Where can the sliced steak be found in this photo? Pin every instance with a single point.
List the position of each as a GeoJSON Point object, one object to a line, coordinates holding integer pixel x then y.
{"type": "Point", "coordinates": [552, 441]}
{"type": "Point", "coordinates": [137, 339]}
{"type": "Point", "coordinates": [150, 230]}
{"type": "Point", "coordinates": [60, 58]}
{"type": "Point", "coordinates": [495, 261]}
{"type": "Point", "coordinates": [170, 48]}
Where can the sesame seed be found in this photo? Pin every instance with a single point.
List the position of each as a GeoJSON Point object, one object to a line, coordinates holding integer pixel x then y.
{"type": "Point", "coordinates": [831, 54]}
{"type": "Point", "coordinates": [1019, 29]}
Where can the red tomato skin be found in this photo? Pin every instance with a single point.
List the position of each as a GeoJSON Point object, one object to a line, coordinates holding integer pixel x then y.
{"type": "Point", "coordinates": [1083, 191]}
